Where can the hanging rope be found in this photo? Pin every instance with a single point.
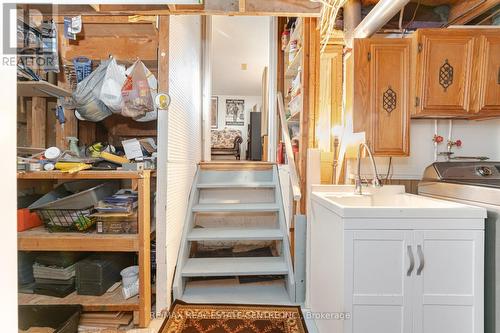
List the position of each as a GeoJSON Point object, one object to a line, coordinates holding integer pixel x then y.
{"type": "Point", "coordinates": [328, 15]}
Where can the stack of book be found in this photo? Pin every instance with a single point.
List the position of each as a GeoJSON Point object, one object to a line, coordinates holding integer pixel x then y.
{"type": "Point", "coordinates": [117, 214]}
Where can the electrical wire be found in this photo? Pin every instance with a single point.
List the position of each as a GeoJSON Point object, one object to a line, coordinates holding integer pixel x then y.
{"type": "Point", "coordinates": [414, 15]}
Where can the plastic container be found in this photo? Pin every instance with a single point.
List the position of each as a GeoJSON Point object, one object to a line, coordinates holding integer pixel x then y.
{"type": "Point", "coordinates": [129, 275]}
{"type": "Point", "coordinates": [27, 220]}
{"type": "Point", "coordinates": [69, 206]}
{"type": "Point", "coordinates": [63, 318]}
{"type": "Point", "coordinates": [96, 274]}
{"type": "Point", "coordinates": [75, 195]}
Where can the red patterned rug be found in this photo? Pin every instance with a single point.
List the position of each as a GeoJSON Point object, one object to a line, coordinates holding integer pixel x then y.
{"type": "Point", "coordinates": [231, 318]}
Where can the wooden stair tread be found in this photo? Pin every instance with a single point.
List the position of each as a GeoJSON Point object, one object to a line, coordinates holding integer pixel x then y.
{"type": "Point", "coordinates": [207, 234]}
{"type": "Point", "coordinates": [234, 266]}
{"type": "Point", "coordinates": [229, 165]}
{"type": "Point", "coordinates": [263, 207]}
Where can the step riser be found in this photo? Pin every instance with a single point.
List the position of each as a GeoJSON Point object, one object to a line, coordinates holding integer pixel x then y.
{"type": "Point", "coordinates": [230, 248]}
{"type": "Point", "coordinates": [249, 195]}
{"type": "Point", "coordinates": [237, 220]}
{"type": "Point", "coordinates": [237, 177]}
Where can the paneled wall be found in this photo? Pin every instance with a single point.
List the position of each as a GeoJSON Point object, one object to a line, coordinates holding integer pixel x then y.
{"type": "Point", "coordinates": [183, 138]}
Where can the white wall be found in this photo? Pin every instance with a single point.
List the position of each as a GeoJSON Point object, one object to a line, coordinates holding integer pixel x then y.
{"type": "Point", "coordinates": [479, 138]}
{"type": "Point", "coordinates": [250, 101]}
{"type": "Point", "coordinates": [238, 40]}
{"type": "Point", "coordinates": [183, 139]}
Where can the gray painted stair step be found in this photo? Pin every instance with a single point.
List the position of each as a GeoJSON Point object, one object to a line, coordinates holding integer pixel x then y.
{"type": "Point", "coordinates": [229, 291]}
{"type": "Point", "coordinates": [234, 266]}
{"type": "Point", "coordinates": [220, 234]}
{"type": "Point", "coordinates": [247, 207]}
{"type": "Point", "coordinates": [237, 185]}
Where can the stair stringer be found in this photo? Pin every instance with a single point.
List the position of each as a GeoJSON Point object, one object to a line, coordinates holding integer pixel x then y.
{"type": "Point", "coordinates": [290, 279]}
{"type": "Point", "coordinates": [182, 256]}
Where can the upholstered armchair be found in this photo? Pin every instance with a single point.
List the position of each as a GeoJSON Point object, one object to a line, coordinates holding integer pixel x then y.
{"type": "Point", "coordinates": [226, 142]}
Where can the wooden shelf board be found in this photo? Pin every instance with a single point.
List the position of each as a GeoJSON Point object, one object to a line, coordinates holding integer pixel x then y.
{"type": "Point", "coordinates": [111, 301]}
{"type": "Point", "coordinates": [87, 174]}
{"type": "Point", "coordinates": [39, 239]}
{"type": "Point", "coordinates": [40, 89]}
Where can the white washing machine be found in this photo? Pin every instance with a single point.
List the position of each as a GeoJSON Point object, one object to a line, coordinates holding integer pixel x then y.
{"type": "Point", "coordinates": [474, 183]}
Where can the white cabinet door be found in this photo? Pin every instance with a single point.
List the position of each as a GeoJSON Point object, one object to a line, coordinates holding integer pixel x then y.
{"type": "Point", "coordinates": [448, 293]}
{"type": "Point", "coordinates": [378, 269]}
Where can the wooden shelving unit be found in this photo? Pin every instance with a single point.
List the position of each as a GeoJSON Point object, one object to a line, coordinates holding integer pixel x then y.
{"type": "Point", "coordinates": [112, 301]}
{"type": "Point", "coordinates": [293, 76]}
{"type": "Point", "coordinates": [39, 239]}
{"type": "Point", "coordinates": [40, 89]}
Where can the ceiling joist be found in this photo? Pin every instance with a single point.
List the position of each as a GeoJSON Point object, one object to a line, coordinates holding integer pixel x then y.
{"type": "Point", "coordinates": [209, 7]}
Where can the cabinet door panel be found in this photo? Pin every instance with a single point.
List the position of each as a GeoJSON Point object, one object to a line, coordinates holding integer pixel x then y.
{"type": "Point", "coordinates": [389, 98]}
{"type": "Point", "coordinates": [489, 84]}
{"type": "Point", "coordinates": [445, 71]}
{"type": "Point", "coordinates": [377, 284]}
{"type": "Point", "coordinates": [449, 289]}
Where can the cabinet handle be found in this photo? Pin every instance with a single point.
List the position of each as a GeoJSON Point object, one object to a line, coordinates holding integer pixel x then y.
{"type": "Point", "coordinates": [421, 258]}
{"type": "Point", "coordinates": [446, 75]}
{"type": "Point", "coordinates": [498, 78]}
{"type": "Point", "coordinates": [412, 260]}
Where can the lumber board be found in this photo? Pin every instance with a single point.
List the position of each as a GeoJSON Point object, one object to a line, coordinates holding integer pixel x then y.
{"type": "Point", "coordinates": [87, 174]}
{"type": "Point", "coordinates": [108, 302]}
{"type": "Point", "coordinates": [39, 239]}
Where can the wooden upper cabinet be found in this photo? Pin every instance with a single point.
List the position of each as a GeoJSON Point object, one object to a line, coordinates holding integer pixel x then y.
{"type": "Point", "coordinates": [382, 94]}
{"type": "Point", "coordinates": [445, 69]}
{"type": "Point", "coordinates": [487, 90]}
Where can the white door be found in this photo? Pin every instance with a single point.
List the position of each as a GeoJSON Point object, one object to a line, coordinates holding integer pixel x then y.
{"type": "Point", "coordinates": [449, 281]}
{"type": "Point", "coordinates": [379, 266]}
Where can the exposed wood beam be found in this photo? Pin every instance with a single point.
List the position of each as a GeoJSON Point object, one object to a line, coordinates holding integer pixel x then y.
{"type": "Point", "coordinates": [466, 10]}
{"type": "Point", "coordinates": [422, 2]}
{"type": "Point", "coordinates": [210, 7]}
{"type": "Point", "coordinates": [95, 7]}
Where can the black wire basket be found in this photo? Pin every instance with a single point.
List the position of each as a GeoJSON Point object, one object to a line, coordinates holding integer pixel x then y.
{"type": "Point", "coordinates": [67, 220]}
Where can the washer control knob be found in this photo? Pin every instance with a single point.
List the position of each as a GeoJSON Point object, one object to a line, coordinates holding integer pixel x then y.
{"type": "Point", "coordinates": [484, 171]}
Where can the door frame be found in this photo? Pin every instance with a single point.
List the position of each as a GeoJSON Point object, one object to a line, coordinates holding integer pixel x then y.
{"type": "Point", "coordinates": [206, 86]}
{"type": "Point", "coordinates": [206, 78]}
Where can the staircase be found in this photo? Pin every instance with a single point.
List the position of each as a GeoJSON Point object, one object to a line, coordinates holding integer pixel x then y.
{"type": "Point", "coordinates": [235, 246]}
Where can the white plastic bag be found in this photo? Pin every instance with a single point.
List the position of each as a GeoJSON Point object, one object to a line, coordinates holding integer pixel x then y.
{"type": "Point", "coordinates": [137, 99]}
{"type": "Point", "coordinates": [110, 93]}
{"type": "Point", "coordinates": [87, 103]}
{"type": "Point", "coordinates": [153, 84]}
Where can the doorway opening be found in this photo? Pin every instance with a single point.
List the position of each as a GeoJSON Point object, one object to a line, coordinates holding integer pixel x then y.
{"type": "Point", "coordinates": [239, 61]}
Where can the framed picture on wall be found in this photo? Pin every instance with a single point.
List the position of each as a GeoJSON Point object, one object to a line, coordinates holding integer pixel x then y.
{"type": "Point", "coordinates": [235, 112]}
{"type": "Point", "coordinates": [214, 108]}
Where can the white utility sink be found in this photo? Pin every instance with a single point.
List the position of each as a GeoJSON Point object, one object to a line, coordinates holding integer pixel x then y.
{"type": "Point", "coordinates": [388, 201]}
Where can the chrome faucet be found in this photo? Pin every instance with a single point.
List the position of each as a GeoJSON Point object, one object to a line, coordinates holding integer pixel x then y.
{"type": "Point", "coordinates": [376, 181]}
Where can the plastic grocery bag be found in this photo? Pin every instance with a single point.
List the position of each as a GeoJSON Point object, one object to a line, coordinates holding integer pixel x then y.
{"type": "Point", "coordinates": [136, 94]}
{"type": "Point", "coordinates": [86, 96]}
{"type": "Point", "coordinates": [153, 86]}
{"type": "Point", "coordinates": [110, 93]}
